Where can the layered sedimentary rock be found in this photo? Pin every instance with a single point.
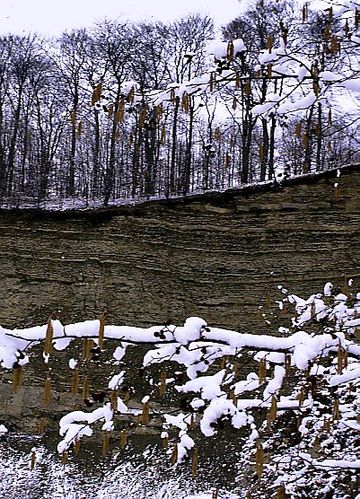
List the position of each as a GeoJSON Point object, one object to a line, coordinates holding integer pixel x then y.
{"type": "Point", "coordinates": [218, 255]}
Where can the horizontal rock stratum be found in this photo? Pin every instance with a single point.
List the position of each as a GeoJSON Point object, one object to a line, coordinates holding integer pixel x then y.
{"type": "Point", "coordinates": [218, 255]}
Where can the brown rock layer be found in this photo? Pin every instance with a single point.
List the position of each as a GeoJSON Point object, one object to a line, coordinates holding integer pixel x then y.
{"type": "Point", "coordinates": [216, 256]}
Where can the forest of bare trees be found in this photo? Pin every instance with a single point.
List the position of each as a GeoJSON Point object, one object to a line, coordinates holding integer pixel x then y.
{"type": "Point", "coordinates": [127, 111]}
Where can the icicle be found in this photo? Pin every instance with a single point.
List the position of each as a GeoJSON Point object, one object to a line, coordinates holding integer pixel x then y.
{"type": "Point", "coordinates": [162, 388]}
{"type": "Point", "coordinates": [106, 443]}
{"type": "Point", "coordinates": [114, 400]}
{"type": "Point", "coordinates": [96, 95]}
{"type": "Point", "coordinates": [123, 438]}
{"type": "Point", "coordinates": [48, 337]}
{"type": "Point", "coordinates": [16, 378]}
{"type": "Point", "coordinates": [262, 371]}
{"type": "Point", "coordinates": [336, 410]}
{"type": "Point", "coordinates": [75, 381]}
{"type": "Point", "coordinates": [174, 454]}
{"type": "Point", "coordinates": [76, 446]}
{"type": "Point", "coordinates": [259, 459]}
{"type": "Point", "coordinates": [32, 459]}
{"type": "Point", "coordinates": [146, 413]}
{"type": "Point", "coordinates": [85, 389]}
{"type": "Point", "coordinates": [47, 391]}
{"type": "Point", "coordinates": [195, 463]}
{"type": "Point", "coordinates": [230, 51]}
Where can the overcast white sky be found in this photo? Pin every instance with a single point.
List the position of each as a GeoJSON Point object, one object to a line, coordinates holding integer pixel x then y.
{"type": "Point", "coordinates": [50, 17]}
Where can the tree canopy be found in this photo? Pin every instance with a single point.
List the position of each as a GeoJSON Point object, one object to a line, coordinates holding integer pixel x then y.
{"type": "Point", "coordinates": [126, 111]}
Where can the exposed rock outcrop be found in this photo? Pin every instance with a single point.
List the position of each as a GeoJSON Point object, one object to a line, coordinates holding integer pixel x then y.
{"type": "Point", "coordinates": [216, 255]}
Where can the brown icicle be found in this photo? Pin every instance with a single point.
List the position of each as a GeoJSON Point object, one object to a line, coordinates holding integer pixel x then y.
{"type": "Point", "coordinates": [191, 425]}
{"type": "Point", "coordinates": [217, 134]}
{"type": "Point", "coordinates": [163, 135]}
{"type": "Point", "coordinates": [146, 413]}
{"type": "Point", "coordinates": [114, 400]}
{"type": "Point", "coordinates": [73, 118]}
{"type": "Point", "coordinates": [162, 388]}
{"type": "Point", "coordinates": [106, 443]}
{"type": "Point", "coordinates": [165, 442]}
{"type": "Point", "coordinates": [85, 389]}
{"type": "Point", "coordinates": [143, 116]}
{"type": "Point", "coordinates": [110, 110]}
{"type": "Point", "coordinates": [262, 370]}
{"type": "Point", "coordinates": [123, 438]}
{"type": "Point", "coordinates": [230, 51]}
{"type": "Point", "coordinates": [305, 140]}
{"type": "Point", "coordinates": [248, 87]}
{"type": "Point", "coordinates": [234, 103]}
{"type": "Point", "coordinates": [280, 492]}
{"type": "Point", "coordinates": [212, 81]}
{"type": "Point", "coordinates": [335, 45]}
{"type": "Point", "coordinates": [227, 160]}
{"type": "Point", "coordinates": [75, 381]}
{"type": "Point", "coordinates": [326, 425]}
{"type": "Point", "coordinates": [259, 459]}
{"type": "Point", "coordinates": [340, 359]}
{"type": "Point", "coordinates": [337, 192]}
{"type": "Point", "coordinates": [48, 337]}
{"type": "Point", "coordinates": [287, 364]}
{"type": "Point", "coordinates": [16, 378]}
{"type": "Point", "coordinates": [32, 460]}
{"type": "Point", "coordinates": [273, 409]}
{"type": "Point", "coordinates": [261, 151]}
{"type": "Point", "coordinates": [47, 391]}
{"type": "Point", "coordinates": [64, 457]}
{"type": "Point", "coordinates": [185, 102]}
{"type": "Point", "coordinates": [301, 396]}
{"type": "Point", "coordinates": [305, 12]}
{"type": "Point", "coordinates": [345, 358]}
{"type": "Point", "coordinates": [313, 311]}
{"type": "Point", "coordinates": [131, 95]}
{"type": "Point", "coordinates": [158, 112]}
{"type": "Point", "coordinates": [195, 463]}
{"type": "Point", "coordinates": [174, 454]}
{"type": "Point", "coordinates": [285, 34]}
{"type": "Point", "coordinates": [96, 95]}
{"type": "Point", "coordinates": [87, 346]}
{"type": "Point", "coordinates": [120, 111]}
{"type": "Point", "coordinates": [76, 446]}
{"type": "Point", "coordinates": [327, 33]}
{"type": "Point", "coordinates": [336, 410]}
{"type": "Point", "coordinates": [79, 129]}
{"type": "Point", "coordinates": [233, 398]}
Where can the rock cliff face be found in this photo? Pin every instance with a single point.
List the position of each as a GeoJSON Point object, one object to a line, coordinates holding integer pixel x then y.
{"type": "Point", "coordinates": [218, 256]}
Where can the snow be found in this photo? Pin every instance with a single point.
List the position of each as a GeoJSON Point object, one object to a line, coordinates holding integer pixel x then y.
{"type": "Point", "coordinates": [220, 49]}
{"type": "Point", "coordinates": [116, 381]}
{"type": "Point", "coordinates": [352, 84]}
